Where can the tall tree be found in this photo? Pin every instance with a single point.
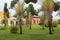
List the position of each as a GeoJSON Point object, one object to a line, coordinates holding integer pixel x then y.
{"type": "Point", "coordinates": [6, 14]}
{"type": "Point", "coordinates": [27, 19]}
{"type": "Point", "coordinates": [19, 11]}
{"type": "Point", "coordinates": [29, 8]}
{"type": "Point", "coordinates": [57, 6]}
{"type": "Point", "coordinates": [30, 12]}
{"type": "Point", "coordinates": [13, 3]}
{"type": "Point", "coordinates": [48, 7]}
{"type": "Point", "coordinates": [27, 1]}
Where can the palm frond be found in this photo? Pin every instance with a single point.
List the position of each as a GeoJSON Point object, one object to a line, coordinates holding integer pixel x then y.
{"type": "Point", "coordinates": [19, 8]}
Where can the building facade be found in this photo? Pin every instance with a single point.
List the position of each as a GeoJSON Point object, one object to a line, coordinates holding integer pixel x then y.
{"type": "Point", "coordinates": [2, 18]}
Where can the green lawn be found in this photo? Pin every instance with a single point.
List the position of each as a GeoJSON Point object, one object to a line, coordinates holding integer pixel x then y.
{"type": "Point", "coordinates": [35, 34]}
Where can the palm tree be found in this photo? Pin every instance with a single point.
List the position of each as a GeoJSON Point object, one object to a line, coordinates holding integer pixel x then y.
{"type": "Point", "coordinates": [19, 11]}
{"type": "Point", "coordinates": [6, 14]}
{"type": "Point", "coordinates": [30, 9]}
{"type": "Point", "coordinates": [30, 12]}
{"type": "Point", "coordinates": [27, 12]}
{"type": "Point", "coordinates": [48, 7]}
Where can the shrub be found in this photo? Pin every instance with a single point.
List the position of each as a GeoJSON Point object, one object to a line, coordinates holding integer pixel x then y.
{"type": "Point", "coordinates": [40, 23]}
{"type": "Point", "coordinates": [54, 24]}
{"type": "Point", "coordinates": [14, 30]}
{"type": "Point", "coordinates": [58, 21]}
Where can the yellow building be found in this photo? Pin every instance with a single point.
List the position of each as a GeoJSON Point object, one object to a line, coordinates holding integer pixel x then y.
{"type": "Point", "coordinates": [2, 18]}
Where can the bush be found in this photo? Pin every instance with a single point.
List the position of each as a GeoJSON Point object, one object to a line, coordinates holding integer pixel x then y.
{"type": "Point", "coordinates": [14, 30]}
{"type": "Point", "coordinates": [58, 21]}
{"type": "Point", "coordinates": [40, 23]}
{"type": "Point", "coordinates": [54, 24]}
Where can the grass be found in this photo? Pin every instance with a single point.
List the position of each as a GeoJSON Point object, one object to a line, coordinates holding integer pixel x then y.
{"type": "Point", "coordinates": [35, 34]}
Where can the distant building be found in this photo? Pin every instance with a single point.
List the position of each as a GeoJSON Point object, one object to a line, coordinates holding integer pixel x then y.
{"type": "Point", "coordinates": [2, 18]}
{"type": "Point", "coordinates": [35, 20]}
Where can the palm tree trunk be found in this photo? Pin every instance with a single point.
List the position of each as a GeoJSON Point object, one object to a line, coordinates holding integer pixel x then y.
{"type": "Point", "coordinates": [30, 24]}
{"type": "Point", "coordinates": [6, 21]}
{"type": "Point", "coordinates": [50, 24]}
{"type": "Point", "coordinates": [30, 21]}
{"type": "Point", "coordinates": [27, 22]}
{"type": "Point", "coordinates": [20, 22]}
{"type": "Point", "coordinates": [49, 17]}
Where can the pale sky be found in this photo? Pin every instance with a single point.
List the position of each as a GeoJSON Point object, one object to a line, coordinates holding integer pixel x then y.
{"type": "Point", "coordinates": [36, 6]}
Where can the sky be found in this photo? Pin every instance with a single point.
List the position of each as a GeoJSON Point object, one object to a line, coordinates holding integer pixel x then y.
{"type": "Point", "coordinates": [36, 6]}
